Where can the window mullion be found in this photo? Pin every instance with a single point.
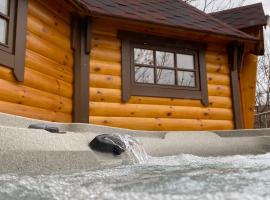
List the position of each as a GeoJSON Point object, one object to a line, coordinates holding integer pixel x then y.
{"type": "Point", "coordinates": [186, 70]}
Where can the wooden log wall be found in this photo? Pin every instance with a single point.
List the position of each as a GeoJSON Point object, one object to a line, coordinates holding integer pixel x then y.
{"type": "Point", "coordinates": [148, 113]}
{"type": "Point", "coordinates": [248, 88]}
{"type": "Point", "coordinates": [46, 92]}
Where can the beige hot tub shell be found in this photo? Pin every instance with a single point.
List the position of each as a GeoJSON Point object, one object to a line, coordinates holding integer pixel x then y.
{"type": "Point", "coordinates": [24, 150]}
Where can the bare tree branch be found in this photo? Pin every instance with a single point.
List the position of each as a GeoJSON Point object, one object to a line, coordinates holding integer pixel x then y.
{"type": "Point", "coordinates": [215, 5]}
{"type": "Point", "coordinates": [262, 100]}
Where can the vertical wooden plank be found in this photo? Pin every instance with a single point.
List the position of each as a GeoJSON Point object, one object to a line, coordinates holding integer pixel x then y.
{"type": "Point", "coordinates": [81, 27]}
{"type": "Point", "coordinates": [203, 77]}
{"type": "Point", "coordinates": [248, 87]}
{"type": "Point", "coordinates": [125, 70]}
{"type": "Point", "coordinates": [20, 40]}
{"type": "Point", "coordinates": [234, 56]}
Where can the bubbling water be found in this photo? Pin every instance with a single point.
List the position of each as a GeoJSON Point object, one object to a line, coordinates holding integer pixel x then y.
{"type": "Point", "coordinates": [179, 177]}
{"type": "Point", "coordinates": [134, 149]}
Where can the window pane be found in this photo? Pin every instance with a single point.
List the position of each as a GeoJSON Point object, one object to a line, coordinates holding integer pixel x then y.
{"type": "Point", "coordinates": [164, 59]}
{"type": "Point", "coordinates": [3, 31]}
{"type": "Point", "coordinates": [4, 7]}
{"type": "Point", "coordinates": [185, 61]}
{"type": "Point", "coordinates": [186, 78]}
{"type": "Point", "coordinates": [143, 56]}
{"type": "Point", "coordinates": [165, 76]}
{"type": "Point", "coordinates": [144, 74]}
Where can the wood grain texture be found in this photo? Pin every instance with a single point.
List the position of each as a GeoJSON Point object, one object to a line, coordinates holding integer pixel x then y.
{"type": "Point", "coordinates": [158, 111]}
{"type": "Point", "coordinates": [49, 49]}
{"type": "Point", "coordinates": [46, 92]}
{"type": "Point", "coordinates": [41, 29]}
{"type": "Point", "coordinates": [29, 96]}
{"type": "Point", "coordinates": [39, 11]}
{"type": "Point", "coordinates": [150, 113]}
{"type": "Point", "coordinates": [114, 95]}
{"type": "Point", "coordinates": [33, 112]}
{"type": "Point", "coordinates": [248, 87]}
{"type": "Point", "coordinates": [162, 124]}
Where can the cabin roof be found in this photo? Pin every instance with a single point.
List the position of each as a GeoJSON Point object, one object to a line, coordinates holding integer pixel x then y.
{"type": "Point", "coordinates": [243, 17]}
{"type": "Point", "coordinates": [173, 13]}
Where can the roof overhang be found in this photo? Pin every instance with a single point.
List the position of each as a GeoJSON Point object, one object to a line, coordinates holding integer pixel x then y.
{"type": "Point", "coordinates": [239, 35]}
{"type": "Point", "coordinates": [250, 19]}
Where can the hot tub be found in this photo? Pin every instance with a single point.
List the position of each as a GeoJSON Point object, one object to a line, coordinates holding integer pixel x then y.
{"type": "Point", "coordinates": [24, 150]}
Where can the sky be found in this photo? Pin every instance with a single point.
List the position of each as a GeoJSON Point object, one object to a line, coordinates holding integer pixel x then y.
{"type": "Point", "coordinates": [221, 3]}
{"type": "Point", "coordinates": [234, 3]}
{"type": "Point", "coordinates": [266, 4]}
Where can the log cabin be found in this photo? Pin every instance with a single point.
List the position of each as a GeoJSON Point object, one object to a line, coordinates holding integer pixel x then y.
{"type": "Point", "coordinates": [143, 65]}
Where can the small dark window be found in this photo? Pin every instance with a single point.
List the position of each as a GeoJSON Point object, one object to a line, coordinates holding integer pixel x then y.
{"type": "Point", "coordinates": [165, 68]}
{"type": "Point", "coordinates": [13, 16]}
{"type": "Point", "coordinates": [162, 67]}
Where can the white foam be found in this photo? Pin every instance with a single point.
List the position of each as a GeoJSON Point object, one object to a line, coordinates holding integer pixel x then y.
{"type": "Point", "coordinates": [135, 149]}
{"type": "Point", "coordinates": [184, 177]}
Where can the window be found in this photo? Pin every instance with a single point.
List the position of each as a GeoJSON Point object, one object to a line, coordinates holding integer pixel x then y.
{"type": "Point", "coordinates": [6, 24]}
{"type": "Point", "coordinates": [162, 67]}
{"type": "Point", "coordinates": [13, 14]}
{"type": "Point", "coordinates": [165, 68]}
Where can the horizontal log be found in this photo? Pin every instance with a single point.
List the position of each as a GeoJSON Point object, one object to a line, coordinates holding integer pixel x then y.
{"type": "Point", "coordinates": [162, 124]}
{"type": "Point", "coordinates": [49, 50]}
{"type": "Point", "coordinates": [47, 66]}
{"type": "Point", "coordinates": [161, 111]}
{"type": "Point", "coordinates": [106, 54]}
{"type": "Point", "coordinates": [217, 68]}
{"type": "Point", "coordinates": [42, 13]}
{"type": "Point", "coordinates": [46, 83]}
{"type": "Point", "coordinates": [7, 74]}
{"type": "Point", "coordinates": [221, 48]}
{"type": "Point", "coordinates": [40, 81]}
{"type": "Point", "coordinates": [114, 82]}
{"type": "Point", "coordinates": [46, 32]}
{"type": "Point", "coordinates": [219, 90]}
{"type": "Point", "coordinates": [216, 58]}
{"type": "Point", "coordinates": [218, 79]}
{"type": "Point", "coordinates": [114, 96]}
{"type": "Point", "coordinates": [20, 94]}
{"type": "Point", "coordinates": [32, 112]}
{"type": "Point", "coordinates": [105, 81]}
{"type": "Point", "coordinates": [106, 68]}
{"type": "Point", "coordinates": [107, 42]}
{"type": "Point", "coordinates": [100, 29]}
{"type": "Point", "coordinates": [59, 8]}
{"type": "Point", "coordinates": [214, 101]}
{"type": "Point", "coordinates": [105, 94]}
{"type": "Point", "coordinates": [220, 102]}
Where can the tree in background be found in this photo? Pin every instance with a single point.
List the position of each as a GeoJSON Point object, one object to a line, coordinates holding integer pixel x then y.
{"type": "Point", "coordinates": [263, 78]}
{"type": "Point", "coordinates": [215, 5]}
{"type": "Point", "coordinates": [262, 101]}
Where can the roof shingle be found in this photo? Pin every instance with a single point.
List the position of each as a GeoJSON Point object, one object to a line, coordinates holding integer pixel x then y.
{"type": "Point", "coordinates": [243, 17]}
{"type": "Point", "coordinates": [174, 13]}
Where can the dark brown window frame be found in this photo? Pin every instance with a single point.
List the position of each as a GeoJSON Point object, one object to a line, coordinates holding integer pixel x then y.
{"type": "Point", "coordinates": [130, 87]}
{"type": "Point", "coordinates": [12, 54]}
